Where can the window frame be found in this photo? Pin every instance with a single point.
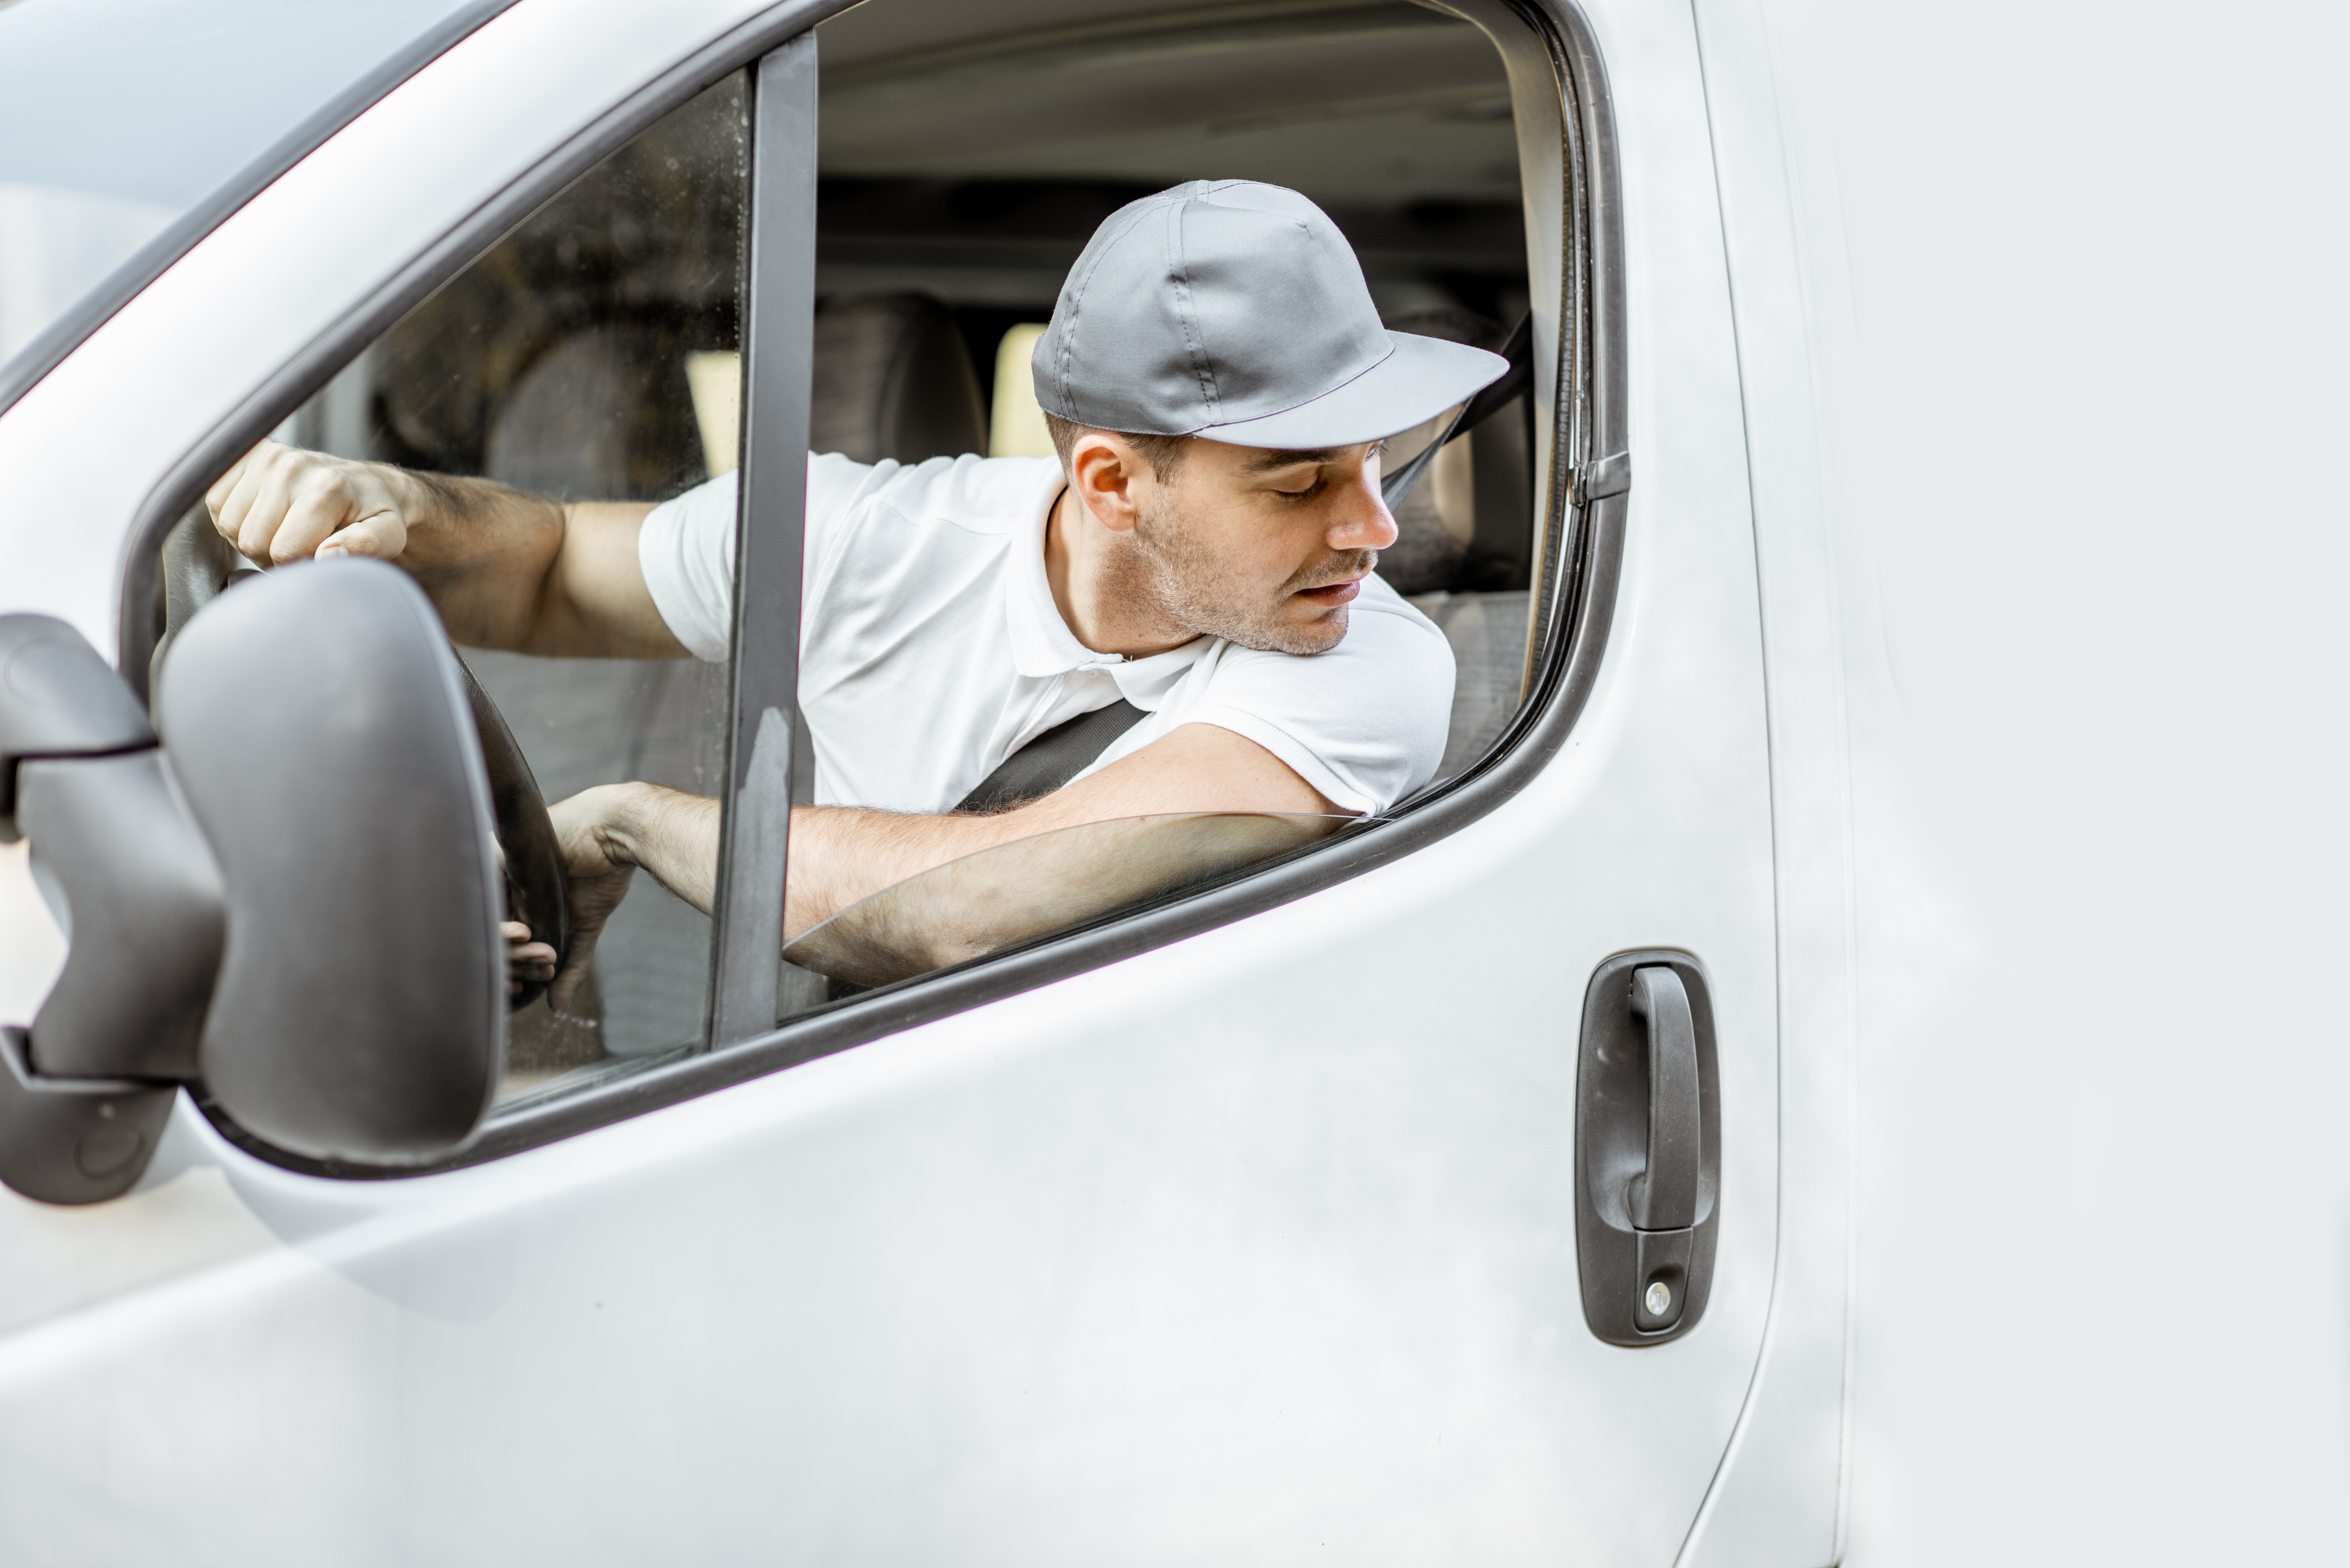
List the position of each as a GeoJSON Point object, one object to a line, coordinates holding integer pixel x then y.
{"type": "Point", "coordinates": [770, 523]}
{"type": "Point", "coordinates": [1581, 491]}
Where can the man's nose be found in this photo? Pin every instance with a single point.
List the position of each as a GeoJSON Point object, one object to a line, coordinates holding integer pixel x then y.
{"type": "Point", "coordinates": [1364, 522]}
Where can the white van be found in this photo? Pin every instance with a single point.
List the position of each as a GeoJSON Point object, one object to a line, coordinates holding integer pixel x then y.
{"type": "Point", "coordinates": [1826, 1072]}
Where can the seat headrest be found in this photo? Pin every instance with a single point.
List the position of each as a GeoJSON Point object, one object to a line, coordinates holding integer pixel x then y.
{"type": "Point", "coordinates": [604, 414]}
{"type": "Point", "coordinates": [893, 379]}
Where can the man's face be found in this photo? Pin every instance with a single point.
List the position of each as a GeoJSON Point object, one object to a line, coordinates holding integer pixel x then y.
{"type": "Point", "coordinates": [1266, 548]}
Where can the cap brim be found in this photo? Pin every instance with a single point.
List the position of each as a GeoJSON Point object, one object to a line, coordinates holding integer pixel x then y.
{"type": "Point", "coordinates": [1423, 376]}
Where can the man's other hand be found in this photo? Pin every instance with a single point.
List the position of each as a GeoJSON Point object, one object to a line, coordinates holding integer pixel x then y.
{"type": "Point", "coordinates": [281, 504]}
{"type": "Point", "coordinates": [598, 873]}
{"type": "Point", "coordinates": [527, 962]}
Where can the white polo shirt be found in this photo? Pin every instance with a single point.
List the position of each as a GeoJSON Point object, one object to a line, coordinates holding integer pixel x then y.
{"type": "Point", "coordinates": [930, 648]}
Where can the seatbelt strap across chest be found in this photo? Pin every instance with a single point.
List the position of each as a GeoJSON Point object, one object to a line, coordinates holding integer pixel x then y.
{"type": "Point", "coordinates": [1052, 758]}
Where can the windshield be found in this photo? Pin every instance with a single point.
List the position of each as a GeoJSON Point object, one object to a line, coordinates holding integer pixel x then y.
{"type": "Point", "coordinates": [129, 126]}
{"type": "Point", "coordinates": [988, 902]}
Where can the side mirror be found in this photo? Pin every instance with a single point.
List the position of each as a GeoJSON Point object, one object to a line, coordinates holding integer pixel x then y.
{"type": "Point", "coordinates": [337, 844]}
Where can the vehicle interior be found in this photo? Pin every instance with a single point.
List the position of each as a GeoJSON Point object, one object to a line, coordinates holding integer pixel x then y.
{"type": "Point", "coordinates": [966, 153]}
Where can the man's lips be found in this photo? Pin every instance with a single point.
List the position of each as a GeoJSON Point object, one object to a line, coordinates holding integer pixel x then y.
{"type": "Point", "coordinates": [1331, 595]}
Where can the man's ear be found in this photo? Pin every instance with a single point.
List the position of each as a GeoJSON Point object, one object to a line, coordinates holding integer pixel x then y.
{"type": "Point", "coordinates": [1107, 474]}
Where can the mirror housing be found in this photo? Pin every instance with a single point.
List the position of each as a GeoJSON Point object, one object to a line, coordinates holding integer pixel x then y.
{"type": "Point", "coordinates": [296, 899]}
{"type": "Point", "coordinates": [320, 732]}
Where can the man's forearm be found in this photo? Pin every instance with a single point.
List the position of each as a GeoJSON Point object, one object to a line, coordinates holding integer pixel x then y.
{"type": "Point", "coordinates": [484, 552]}
{"type": "Point", "coordinates": [517, 571]}
{"type": "Point", "coordinates": [669, 832]}
{"type": "Point", "coordinates": [839, 855]}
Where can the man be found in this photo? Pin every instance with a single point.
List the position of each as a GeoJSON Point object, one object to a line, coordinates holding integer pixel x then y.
{"type": "Point", "coordinates": [1218, 385]}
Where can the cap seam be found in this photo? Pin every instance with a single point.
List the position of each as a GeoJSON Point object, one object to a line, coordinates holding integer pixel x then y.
{"type": "Point", "coordinates": [1193, 341]}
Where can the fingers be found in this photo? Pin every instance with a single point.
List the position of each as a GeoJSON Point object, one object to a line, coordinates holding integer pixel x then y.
{"type": "Point", "coordinates": [216, 498]}
{"type": "Point", "coordinates": [280, 503]}
{"type": "Point", "coordinates": [527, 962]}
{"type": "Point", "coordinates": [231, 501]}
{"type": "Point", "coordinates": [317, 505]}
{"type": "Point", "coordinates": [520, 947]}
{"type": "Point", "coordinates": [525, 956]}
{"type": "Point", "coordinates": [256, 508]}
{"type": "Point", "coordinates": [533, 965]}
{"type": "Point", "coordinates": [378, 538]}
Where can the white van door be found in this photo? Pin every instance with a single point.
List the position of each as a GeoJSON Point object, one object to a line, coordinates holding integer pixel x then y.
{"type": "Point", "coordinates": [1239, 1227]}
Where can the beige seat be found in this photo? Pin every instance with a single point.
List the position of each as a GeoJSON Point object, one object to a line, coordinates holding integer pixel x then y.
{"type": "Point", "coordinates": [1488, 634]}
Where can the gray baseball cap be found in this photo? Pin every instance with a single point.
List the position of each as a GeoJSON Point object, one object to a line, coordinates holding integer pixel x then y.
{"type": "Point", "coordinates": [1237, 311]}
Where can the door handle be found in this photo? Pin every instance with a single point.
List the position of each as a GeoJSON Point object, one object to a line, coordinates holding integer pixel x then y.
{"type": "Point", "coordinates": [1663, 1196]}
{"type": "Point", "coordinates": [1647, 1134]}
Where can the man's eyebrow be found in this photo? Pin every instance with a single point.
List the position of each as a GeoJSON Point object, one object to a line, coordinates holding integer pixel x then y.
{"type": "Point", "coordinates": [1266, 461]}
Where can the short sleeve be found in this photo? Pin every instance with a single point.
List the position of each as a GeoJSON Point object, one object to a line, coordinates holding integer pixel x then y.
{"type": "Point", "coordinates": [686, 550]}
{"type": "Point", "coordinates": [1363, 724]}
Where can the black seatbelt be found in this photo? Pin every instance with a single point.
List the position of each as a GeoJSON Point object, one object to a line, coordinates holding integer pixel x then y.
{"type": "Point", "coordinates": [1052, 758]}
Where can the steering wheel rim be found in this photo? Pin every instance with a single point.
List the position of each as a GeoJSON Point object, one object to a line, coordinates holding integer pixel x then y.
{"type": "Point", "coordinates": [198, 565]}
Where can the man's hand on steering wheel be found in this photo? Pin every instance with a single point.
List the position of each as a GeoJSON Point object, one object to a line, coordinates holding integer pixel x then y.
{"type": "Point", "coordinates": [281, 504]}
{"type": "Point", "coordinates": [598, 881]}
{"type": "Point", "coordinates": [527, 962]}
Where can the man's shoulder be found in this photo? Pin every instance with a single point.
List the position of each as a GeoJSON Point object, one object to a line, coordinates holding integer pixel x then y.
{"type": "Point", "coordinates": [985, 495]}
{"type": "Point", "coordinates": [1364, 722]}
{"type": "Point", "coordinates": [1389, 646]}
{"type": "Point", "coordinates": [1385, 629]}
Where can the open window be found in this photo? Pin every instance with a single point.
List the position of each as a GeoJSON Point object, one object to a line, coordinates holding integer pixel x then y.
{"type": "Point", "coordinates": [848, 244]}
{"type": "Point", "coordinates": [964, 161]}
{"type": "Point", "coordinates": [964, 164]}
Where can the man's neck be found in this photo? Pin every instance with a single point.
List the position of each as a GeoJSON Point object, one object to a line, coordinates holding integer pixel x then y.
{"type": "Point", "coordinates": [1098, 582]}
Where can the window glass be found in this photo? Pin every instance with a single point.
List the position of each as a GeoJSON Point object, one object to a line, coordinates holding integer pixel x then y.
{"type": "Point", "coordinates": [517, 425]}
{"type": "Point", "coordinates": [118, 117]}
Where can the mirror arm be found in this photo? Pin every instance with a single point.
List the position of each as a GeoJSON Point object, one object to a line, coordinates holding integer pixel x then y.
{"type": "Point", "coordinates": [85, 1091]}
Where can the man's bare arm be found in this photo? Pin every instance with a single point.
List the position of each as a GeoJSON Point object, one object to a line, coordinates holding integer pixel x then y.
{"type": "Point", "coordinates": [840, 855]}
{"type": "Point", "coordinates": [507, 570]}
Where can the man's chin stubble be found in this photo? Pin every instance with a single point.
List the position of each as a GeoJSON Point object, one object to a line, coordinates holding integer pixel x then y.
{"type": "Point", "coordinates": [1317, 636]}
{"type": "Point", "coordinates": [1191, 593]}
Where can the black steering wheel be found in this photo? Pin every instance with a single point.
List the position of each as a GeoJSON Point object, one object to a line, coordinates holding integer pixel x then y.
{"type": "Point", "coordinates": [198, 565]}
